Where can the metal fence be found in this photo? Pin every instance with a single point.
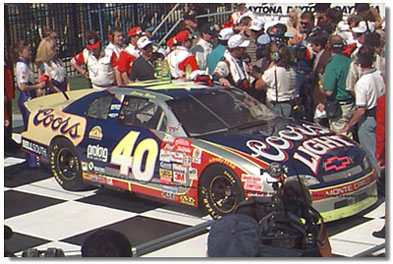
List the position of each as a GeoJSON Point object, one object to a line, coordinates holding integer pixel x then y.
{"type": "Point", "coordinates": [29, 21]}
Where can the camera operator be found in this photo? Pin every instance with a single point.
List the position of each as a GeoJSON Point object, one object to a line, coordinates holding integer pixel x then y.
{"type": "Point", "coordinates": [279, 81]}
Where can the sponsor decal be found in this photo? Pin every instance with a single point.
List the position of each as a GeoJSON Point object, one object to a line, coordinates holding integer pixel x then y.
{"type": "Point", "coordinates": [179, 173]}
{"type": "Point", "coordinates": [196, 156]}
{"type": "Point", "coordinates": [93, 168]}
{"type": "Point", "coordinates": [183, 142]}
{"type": "Point", "coordinates": [84, 166]}
{"type": "Point", "coordinates": [187, 200]}
{"type": "Point", "coordinates": [109, 181]}
{"type": "Point", "coordinates": [167, 146]}
{"type": "Point", "coordinates": [169, 139]}
{"type": "Point", "coordinates": [250, 178]}
{"type": "Point", "coordinates": [168, 193]}
{"type": "Point", "coordinates": [223, 161]}
{"type": "Point", "coordinates": [187, 160]}
{"type": "Point", "coordinates": [344, 189]}
{"type": "Point", "coordinates": [165, 155]}
{"type": "Point", "coordinates": [113, 115]}
{"type": "Point", "coordinates": [165, 165]}
{"type": "Point", "coordinates": [177, 157]}
{"type": "Point", "coordinates": [193, 172]}
{"type": "Point", "coordinates": [336, 163]}
{"type": "Point", "coordinates": [310, 152]}
{"type": "Point", "coordinates": [115, 107]}
{"type": "Point", "coordinates": [34, 147]}
{"type": "Point", "coordinates": [172, 128]}
{"type": "Point", "coordinates": [96, 133]}
{"type": "Point", "coordinates": [47, 118]}
{"type": "Point", "coordinates": [250, 186]}
{"type": "Point", "coordinates": [184, 149]}
{"type": "Point", "coordinates": [147, 94]}
{"type": "Point", "coordinates": [98, 153]}
{"type": "Point", "coordinates": [165, 175]}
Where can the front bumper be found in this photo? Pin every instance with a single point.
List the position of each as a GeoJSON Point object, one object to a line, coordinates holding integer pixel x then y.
{"type": "Point", "coordinates": [347, 199]}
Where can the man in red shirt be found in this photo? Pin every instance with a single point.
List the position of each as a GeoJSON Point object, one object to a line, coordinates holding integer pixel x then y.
{"type": "Point", "coordinates": [129, 54]}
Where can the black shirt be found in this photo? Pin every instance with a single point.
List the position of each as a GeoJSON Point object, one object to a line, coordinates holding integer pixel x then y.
{"type": "Point", "coordinates": [142, 70]}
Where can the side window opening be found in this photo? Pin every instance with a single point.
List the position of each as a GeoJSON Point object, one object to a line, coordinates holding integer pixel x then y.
{"type": "Point", "coordinates": [99, 107]}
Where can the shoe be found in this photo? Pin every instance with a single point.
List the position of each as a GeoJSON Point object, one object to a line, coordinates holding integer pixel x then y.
{"type": "Point", "coordinates": [380, 233]}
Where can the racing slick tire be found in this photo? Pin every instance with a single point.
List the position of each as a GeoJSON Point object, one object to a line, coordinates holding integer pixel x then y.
{"type": "Point", "coordinates": [66, 167]}
{"type": "Point", "coordinates": [220, 190]}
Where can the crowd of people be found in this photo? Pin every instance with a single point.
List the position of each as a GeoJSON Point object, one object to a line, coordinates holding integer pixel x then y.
{"type": "Point", "coordinates": [316, 66]}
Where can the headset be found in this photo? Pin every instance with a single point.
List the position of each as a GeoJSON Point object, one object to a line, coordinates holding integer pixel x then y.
{"type": "Point", "coordinates": [276, 55]}
{"type": "Point", "coordinates": [368, 31]}
{"type": "Point", "coordinates": [112, 33]}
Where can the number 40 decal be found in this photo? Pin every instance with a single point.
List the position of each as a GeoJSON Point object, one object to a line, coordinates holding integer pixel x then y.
{"type": "Point", "coordinates": [121, 156]}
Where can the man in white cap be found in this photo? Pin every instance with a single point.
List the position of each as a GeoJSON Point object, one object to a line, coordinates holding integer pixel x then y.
{"type": "Point", "coordinates": [216, 55]}
{"type": "Point", "coordinates": [143, 67]}
{"type": "Point", "coordinates": [232, 70]}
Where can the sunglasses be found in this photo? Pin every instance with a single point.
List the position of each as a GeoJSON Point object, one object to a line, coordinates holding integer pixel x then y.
{"type": "Point", "coordinates": [304, 23]}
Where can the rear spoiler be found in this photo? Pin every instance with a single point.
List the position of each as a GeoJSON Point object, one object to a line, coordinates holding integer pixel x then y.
{"type": "Point", "coordinates": [56, 99]}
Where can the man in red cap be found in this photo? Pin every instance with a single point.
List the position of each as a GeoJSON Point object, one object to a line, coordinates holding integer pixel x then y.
{"type": "Point", "coordinates": [181, 58]}
{"type": "Point", "coordinates": [96, 61]}
{"type": "Point", "coordinates": [129, 54]}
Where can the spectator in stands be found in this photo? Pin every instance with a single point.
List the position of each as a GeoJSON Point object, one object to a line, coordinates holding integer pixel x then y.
{"type": "Point", "coordinates": [205, 45]}
{"type": "Point", "coordinates": [368, 89]}
{"type": "Point", "coordinates": [144, 65]}
{"type": "Point", "coordinates": [181, 59]}
{"type": "Point", "coordinates": [99, 66]}
{"type": "Point", "coordinates": [51, 69]}
{"type": "Point", "coordinates": [235, 235]}
{"type": "Point", "coordinates": [215, 56]}
{"type": "Point", "coordinates": [106, 243]}
{"type": "Point", "coordinates": [232, 70]}
{"type": "Point", "coordinates": [279, 81]}
{"type": "Point", "coordinates": [340, 107]}
{"type": "Point", "coordinates": [147, 29]}
{"type": "Point", "coordinates": [28, 89]}
{"type": "Point", "coordinates": [116, 46]}
{"type": "Point", "coordinates": [129, 54]}
{"type": "Point", "coordinates": [191, 25]}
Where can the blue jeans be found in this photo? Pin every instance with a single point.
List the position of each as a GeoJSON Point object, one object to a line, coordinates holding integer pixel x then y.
{"type": "Point", "coordinates": [366, 132]}
{"type": "Point", "coordinates": [282, 109]}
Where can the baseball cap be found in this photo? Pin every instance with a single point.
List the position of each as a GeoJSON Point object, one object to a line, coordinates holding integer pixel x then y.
{"type": "Point", "coordinates": [182, 36]}
{"type": "Point", "coordinates": [134, 31]}
{"type": "Point", "coordinates": [362, 27]}
{"type": "Point", "coordinates": [209, 28]}
{"type": "Point", "coordinates": [264, 39]}
{"type": "Point", "coordinates": [143, 42]}
{"type": "Point", "coordinates": [171, 41]}
{"type": "Point", "coordinates": [147, 26]}
{"type": "Point", "coordinates": [237, 41]}
{"type": "Point", "coordinates": [225, 33]}
{"type": "Point", "coordinates": [93, 43]}
{"type": "Point", "coordinates": [257, 24]}
{"type": "Point", "coordinates": [234, 235]}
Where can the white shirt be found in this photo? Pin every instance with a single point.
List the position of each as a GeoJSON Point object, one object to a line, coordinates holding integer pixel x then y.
{"type": "Point", "coordinates": [55, 70]}
{"type": "Point", "coordinates": [24, 74]}
{"type": "Point", "coordinates": [114, 48]}
{"type": "Point", "coordinates": [132, 50]}
{"type": "Point", "coordinates": [201, 51]}
{"type": "Point", "coordinates": [286, 84]}
{"type": "Point", "coordinates": [369, 88]}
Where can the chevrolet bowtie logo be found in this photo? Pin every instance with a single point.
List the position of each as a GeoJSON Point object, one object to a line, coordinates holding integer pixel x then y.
{"type": "Point", "coordinates": [336, 163]}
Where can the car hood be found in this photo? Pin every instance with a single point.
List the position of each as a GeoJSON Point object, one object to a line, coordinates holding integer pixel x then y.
{"type": "Point", "coordinates": [303, 148]}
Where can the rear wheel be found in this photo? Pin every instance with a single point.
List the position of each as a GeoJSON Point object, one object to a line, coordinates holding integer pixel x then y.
{"type": "Point", "coordinates": [220, 190]}
{"type": "Point", "coordinates": [66, 167]}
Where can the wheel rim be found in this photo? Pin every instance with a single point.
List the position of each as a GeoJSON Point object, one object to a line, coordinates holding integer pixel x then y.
{"type": "Point", "coordinates": [67, 164]}
{"type": "Point", "coordinates": [223, 194]}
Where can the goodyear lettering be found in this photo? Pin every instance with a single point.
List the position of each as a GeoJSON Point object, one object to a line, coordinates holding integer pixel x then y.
{"type": "Point", "coordinates": [96, 152]}
{"type": "Point", "coordinates": [47, 119]}
{"type": "Point", "coordinates": [187, 200]}
{"type": "Point", "coordinates": [223, 161]}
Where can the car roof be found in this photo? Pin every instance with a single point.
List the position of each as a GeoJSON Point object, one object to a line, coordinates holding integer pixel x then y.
{"type": "Point", "coordinates": [162, 89]}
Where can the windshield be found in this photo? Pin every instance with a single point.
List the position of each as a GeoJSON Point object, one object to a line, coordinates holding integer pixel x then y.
{"type": "Point", "coordinates": [219, 110]}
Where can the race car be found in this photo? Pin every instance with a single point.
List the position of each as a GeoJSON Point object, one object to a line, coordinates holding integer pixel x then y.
{"type": "Point", "coordinates": [193, 144]}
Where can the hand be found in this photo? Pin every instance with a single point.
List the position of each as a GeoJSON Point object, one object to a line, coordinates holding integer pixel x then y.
{"type": "Point", "coordinates": [343, 130]}
{"type": "Point", "coordinates": [321, 107]}
{"type": "Point", "coordinates": [41, 85]}
{"type": "Point", "coordinates": [381, 164]}
{"type": "Point", "coordinates": [86, 74]}
{"type": "Point", "coordinates": [39, 92]}
{"type": "Point", "coordinates": [224, 82]}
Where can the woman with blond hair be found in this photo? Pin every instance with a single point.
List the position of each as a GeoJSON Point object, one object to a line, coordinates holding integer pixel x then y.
{"type": "Point", "coordinates": [51, 69]}
{"type": "Point", "coordinates": [293, 25]}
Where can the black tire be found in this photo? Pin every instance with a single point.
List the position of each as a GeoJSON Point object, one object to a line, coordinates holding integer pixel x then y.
{"type": "Point", "coordinates": [65, 166]}
{"type": "Point", "coordinates": [220, 190]}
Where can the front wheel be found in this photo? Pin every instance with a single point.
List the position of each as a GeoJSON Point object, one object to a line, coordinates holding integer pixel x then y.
{"type": "Point", "coordinates": [65, 166]}
{"type": "Point", "coordinates": [220, 190]}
